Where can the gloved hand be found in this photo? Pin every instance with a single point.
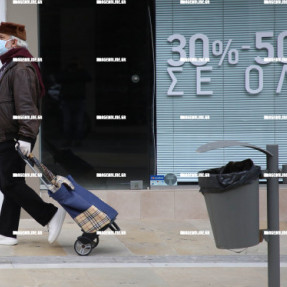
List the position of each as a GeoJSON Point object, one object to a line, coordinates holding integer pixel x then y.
{"type": "Point", "coordinates": [25, 147]}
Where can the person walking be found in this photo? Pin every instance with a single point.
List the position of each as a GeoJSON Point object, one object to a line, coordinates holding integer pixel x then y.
{"type": "Point", "coordinates": [21, 92]}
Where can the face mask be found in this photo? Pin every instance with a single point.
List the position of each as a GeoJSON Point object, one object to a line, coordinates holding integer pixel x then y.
{"type": "Point", "coordinates": [3, 49]}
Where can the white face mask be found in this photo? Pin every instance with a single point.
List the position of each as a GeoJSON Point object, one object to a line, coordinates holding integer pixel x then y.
{"type": "Point", "coordinates": [3, 49]}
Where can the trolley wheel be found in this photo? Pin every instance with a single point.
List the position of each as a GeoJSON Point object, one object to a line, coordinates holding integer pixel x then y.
{"type": "Point", "coordinates": [96, 242]}
{"type": "Point", "coordinates": [83, 246]}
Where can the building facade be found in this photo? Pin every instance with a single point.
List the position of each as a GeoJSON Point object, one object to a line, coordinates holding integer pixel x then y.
{"type": "Point", "coordinates": [225, 97]}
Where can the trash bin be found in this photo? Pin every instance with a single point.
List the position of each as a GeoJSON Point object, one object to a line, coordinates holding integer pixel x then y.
{"type": "Point", "coordinates": [231, 194]}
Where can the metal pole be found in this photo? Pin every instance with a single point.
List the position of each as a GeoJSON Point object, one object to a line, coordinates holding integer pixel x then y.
{"type": "Point", "coordinates": [284, 170]}
{"type": "Point", "coordinates": [273, 218]}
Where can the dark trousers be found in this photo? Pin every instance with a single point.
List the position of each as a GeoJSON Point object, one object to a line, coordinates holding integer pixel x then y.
{"type": "Point", "coordinates": [17, 193]}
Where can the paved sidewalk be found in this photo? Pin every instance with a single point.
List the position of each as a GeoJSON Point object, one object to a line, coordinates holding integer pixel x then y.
{"type": "Point", "coordinates": [152, 253]}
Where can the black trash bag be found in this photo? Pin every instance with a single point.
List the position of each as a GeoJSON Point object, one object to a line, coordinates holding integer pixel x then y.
{"type": "Point", "coordinates": [229, 176]}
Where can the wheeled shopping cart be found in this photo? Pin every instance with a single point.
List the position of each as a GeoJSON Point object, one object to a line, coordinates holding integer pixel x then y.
{"type": "Point", "coordinates": [87, 210]}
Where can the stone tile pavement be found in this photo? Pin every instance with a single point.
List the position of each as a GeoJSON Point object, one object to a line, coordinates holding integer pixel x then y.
{"type": "Point", "coordinates": [152, 253]}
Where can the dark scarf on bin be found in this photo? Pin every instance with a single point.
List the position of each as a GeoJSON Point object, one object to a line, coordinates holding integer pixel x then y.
{"type": "Point", "coordinates": [23, 53]}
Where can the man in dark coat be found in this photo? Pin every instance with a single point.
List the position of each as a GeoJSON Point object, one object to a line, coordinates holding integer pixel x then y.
{"type": "Point", "coordinates": [21, 89]}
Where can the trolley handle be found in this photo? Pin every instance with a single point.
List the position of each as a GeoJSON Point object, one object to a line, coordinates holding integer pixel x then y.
{"type": "Point", "coordinates": [48, 178]}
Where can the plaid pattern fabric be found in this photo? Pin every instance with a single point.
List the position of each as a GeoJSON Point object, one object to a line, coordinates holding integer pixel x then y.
{"type": "Point", "coordinates": [92, 220]}
{"type": "Point", "coordinates": [59, 181]}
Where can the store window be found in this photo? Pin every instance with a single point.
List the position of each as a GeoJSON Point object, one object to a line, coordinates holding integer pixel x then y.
{"type": "Point", "coordinates": [213, 83]}
{"type": "Point", "coordinates": [97, 113]}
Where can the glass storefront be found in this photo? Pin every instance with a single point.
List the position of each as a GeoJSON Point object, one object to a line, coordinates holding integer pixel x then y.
{"type": "Point", "coordinates": [98, 119]}
{"type": "Point", "coordinates": [214, 84]}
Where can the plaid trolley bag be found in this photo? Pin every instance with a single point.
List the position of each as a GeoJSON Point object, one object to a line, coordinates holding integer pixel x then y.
{"type": "Point", "coordinates": [87, 210]}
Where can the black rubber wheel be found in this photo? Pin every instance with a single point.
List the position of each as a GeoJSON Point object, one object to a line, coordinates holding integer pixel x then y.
{"type": "Point", "coordinates": [96, 242]}
{"type": "Point", "coordinates": [83, 246]}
